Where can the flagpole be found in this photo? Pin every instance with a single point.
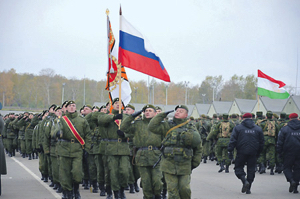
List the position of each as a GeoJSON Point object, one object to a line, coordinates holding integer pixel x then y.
{"type": "Point", "coordinates": [120, 81]}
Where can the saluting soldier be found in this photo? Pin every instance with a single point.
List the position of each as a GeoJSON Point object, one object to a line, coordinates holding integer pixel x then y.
{"type": "Point", "coordinates": [182, 150]}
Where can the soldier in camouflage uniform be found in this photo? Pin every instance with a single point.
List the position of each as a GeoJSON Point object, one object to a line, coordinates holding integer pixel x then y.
{"type": "Point", "coordinates": [21, 124]}
{"type": "Point", "coordinates": [222, 131]}
{"type": "Point", "coordinates": [270, 130]}
{"type": "Point", "coordinates": [204, 128]}
{"type": "Point", "coordinates": [10, 135]}
{"type": "Point", "coordinates": [182, 150]}
{"type": "Point", "coordinates": [28, 135]}
{"type": "Point", "coordinates": [147, 145]}
{"type": "Point", "coordinates": [281, 122]}
{"type": "Point", "coordinates": [117, 150]}
{"type": "Point", "coordinates": [70, 149]}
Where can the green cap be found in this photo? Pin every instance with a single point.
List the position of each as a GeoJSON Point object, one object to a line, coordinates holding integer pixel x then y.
{"type": "Point", "coordinates": [259, 113]}
{"type": "Point", "coordinates": [158, 108]}
{"type": "Point", "coordinates": [57, 108]}
{"type": "Point", "coordinates": [269, 114]}
{"type": "Point", "coordinates": [225, 116]}
{"type": "Point", "coordinates": [283, 115]}
{"type": "Point", "coordinates": [182, 106]}
{"type": "Point", "coordinates": [148, 106]}
{"type": "Point", "coordinates": [70, 102]}
{"type": "Point", "coordinates": [130, 106]}
{"type": "Point", "coordinates": [87, 105]}
{"type": "Point", "coordinates": [52, 106]}
{"type": "Point", "coordinates": [95, 107]}
{"type": "Point", "coordinates": [65, 102]}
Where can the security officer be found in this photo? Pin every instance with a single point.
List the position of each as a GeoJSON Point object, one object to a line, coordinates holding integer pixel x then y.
{"type": "Point", "coordinates": [117, 150]}
{"type": "Point", "coordinates": [288, 146]}
{"type": "Point", "coordinates": [147, 144]}
{"type": "Point", "coordinates": [182, 150]}
{"type": "Point", "coordinates": [248, 139]}
{"type": "Point", "coordinates": [73, 136]}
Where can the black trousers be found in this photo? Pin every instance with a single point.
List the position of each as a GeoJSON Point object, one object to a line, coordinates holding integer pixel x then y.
{"type": "Point", "coordinates": [240, 162]}
{"type": "Point", "coordinates": [291, 167]}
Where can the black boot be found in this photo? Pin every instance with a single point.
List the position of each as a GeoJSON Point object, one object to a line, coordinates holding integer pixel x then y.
{"type": "Point", "coordinates": [164, 194]}
{"type": "Point", "coordinates": [227, 169]}
{"type": "Point", "coordinates": [43, 177]}
{"type": "Point", "coordinates": [117, 194]}
{"type": "Point", "coordinates": [13, 153]}
{"type": "Point", "coordinates": [59, 189]}
{"type": "Point", "coordinates": [29, 156]}
{"type": "Point", "coordinates": [122, 193]}
{"type": "Point", "coordinates": [9, 154]}
{"type": "Point", "coordinates": [76, 191]}
{"type": "Point", "coordinates": [262, 168]}
{"type": "Point", "coordinates": [246, 184]}
{"type": "Point", "coordinates": [136, 187]}
{"type": "Point", "coordinates": [248, 190]}
{"type": "Point", "coordinates": [23, 155]}
{"type": "Point", "coordinates": [86, 184]}
{"type": "Point", "coordinates": [204, 159]}
{"type": "Point", "coordinates": [46, 178]}
{"type": "Point", "coordinates": [55, 187]}
{"type": "Point", "coordinates": [296, 189]}
{"type": "Point", "coordinates": [293, 184]}
{"type": "Point", "coordinates": [131, 188]}
{"type": "Point", "coordinates": [272, 171]}
{"type": "Point", "coordinates": [102, 189]}
{"type": "Point", "coordinates": [33, 156]}
{"type": "Point", "coordinates": [51, 184]}
{"type": "Point", "coordinates": [69, 194]}
{"type": "Point", "coordinates": [109, 192]}
{"type": "Point", "coordinates": [95, 186]}
{"type": "Point", "coordinates": [36, 155]}
{"type": "Point", "coordinates": [221, 167]}
{"type": "Point", "coordinates": [64, 194]}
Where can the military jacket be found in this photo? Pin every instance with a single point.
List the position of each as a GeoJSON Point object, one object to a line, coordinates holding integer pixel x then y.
{"type": "Point", "coordinates": [182, 146]}
{"type": "Point", "coordinates": [68, 145]}
{"type": "Point", "coordinates": [147, 143]}
{"type": "Point", "coordinates": [7, 130]}
{"type": "Point", "coordinates": [217, 133]}
{"type": "Point", "coordinates": [49, 142]}
{"type": "Point", "coordinates": [102, 133]}
{"type": "Point", "coordinates": [30, 127]}
{"type": "Point", "coordinates": [93, 122]}
{"type": "Point", "coordinates": [21, 124]}
{"type": "Point", "coordinates": [115, 145]}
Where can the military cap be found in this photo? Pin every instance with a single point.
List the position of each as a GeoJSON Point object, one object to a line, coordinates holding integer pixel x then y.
{"type": "Point", "coordinates": [293, 115]}
{"type": "Point", "coordinates": [182, 106]}
{"type": "Point", "coordinates": [192, 118]}
{"type": "Point", "coordinates": [57, 108]}
{"type": "Point", "coordinates": [115, 100]}
{"type": "Point", "coordinates": [148, 106]}
{"type": "Point", "coordinates": [44, 112]}
{"type": "Point", "coordinates": [247, 115]}
{"type": "Point", "coordinates": [225, 116]}
{"type": "Point", "coordinates": [95, 107]}
{"type": "Point", "coordinates": [234, 115]}
{"type": "Point", "coordinates": [203, 116]}
{"type": "Point", "coordinates": [11, 113]}
{"type": "Point", "coordinates": [52, 106]}
{"type": "Point", "coordinates": [158, 108]}
{"type": "Point", "coordinates": [70, 102]}
{"type": "Point", "coordinates": [130, 106]}
{"type": "Point", "coordinates": [215, 115]}
{"type": "Point", "coordinates": [282, 115]}
{"type": "Point", "coordinates": [65, 102]}
{"type": "Point", "coordinates": [87, 105]}
{"type": "Point", "coordinates": [259, 113]}
{"type": "Point", "coordinates": [269, 114]}
{"type": "Point", "coordinates": [107, 103]}
{"type": "Point", "coordinates": [103, 106]}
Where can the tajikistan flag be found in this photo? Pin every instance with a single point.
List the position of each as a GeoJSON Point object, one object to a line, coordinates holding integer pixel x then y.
{"type": "Point", "coordinates": [272, 88]}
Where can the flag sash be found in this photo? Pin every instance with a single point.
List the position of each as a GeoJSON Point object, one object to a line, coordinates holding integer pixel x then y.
{"type": "Point", "coordinates": [73, 130]}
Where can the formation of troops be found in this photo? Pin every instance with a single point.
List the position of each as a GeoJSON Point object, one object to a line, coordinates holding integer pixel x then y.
{"type": "Point", "coordinates": [108, 150]}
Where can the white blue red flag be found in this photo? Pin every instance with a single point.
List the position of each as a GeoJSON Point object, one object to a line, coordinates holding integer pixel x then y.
{"type": "Point", "coordinates": [135, 52]}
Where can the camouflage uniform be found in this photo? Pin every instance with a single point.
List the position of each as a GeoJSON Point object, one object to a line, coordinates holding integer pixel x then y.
{"type": "Point", "coordinates": [204, 128]}
{"type": "Point", "coordinates": [182, 152]}
{"type": "Point", "coordinates": [28, 136]}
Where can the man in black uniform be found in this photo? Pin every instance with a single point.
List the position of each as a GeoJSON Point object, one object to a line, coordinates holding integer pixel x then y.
{"type": "Point", "coordinates": [248, 139]}
{"type": "Point", "coordinates": [288, 146]}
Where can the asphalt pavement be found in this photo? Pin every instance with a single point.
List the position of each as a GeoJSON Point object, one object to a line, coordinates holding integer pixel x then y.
{"type": "Point", "coordinates": [23, 182]}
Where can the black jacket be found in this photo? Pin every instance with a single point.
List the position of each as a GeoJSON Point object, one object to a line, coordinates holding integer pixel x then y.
{"type": "Point", "coordinates": [289, 138]}
{"type": "Point", "coordinates": [247, 138]}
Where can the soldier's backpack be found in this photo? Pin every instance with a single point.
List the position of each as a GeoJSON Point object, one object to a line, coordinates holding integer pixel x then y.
{"type": "Point", "coordinates": [225, 129]}
{"type": "Point", "coordinates": [270, 128]}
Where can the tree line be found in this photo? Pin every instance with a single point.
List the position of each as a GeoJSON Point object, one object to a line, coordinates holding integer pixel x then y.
{"type": "Point", "coordinates": [40, 91]}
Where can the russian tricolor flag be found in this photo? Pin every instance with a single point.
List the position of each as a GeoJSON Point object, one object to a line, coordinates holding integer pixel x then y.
{"type": "Point", "coordinates": [136, 53]}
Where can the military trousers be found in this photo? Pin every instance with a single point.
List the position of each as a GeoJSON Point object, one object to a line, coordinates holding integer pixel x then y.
{"type": "Point", "coordinates": [28, 145]}
{"type": "Point", "coordinates": [178, 186]}
{"type": "Point", "coordinates": [106, 170]}
{"type": "Point", "coordinates": [134, 173]}
{"type": "Point", "coordinates": [11, 144]}
{"type": "Point", "coordinates": [92, 167]}
{"type": "Point", "coordinates": [22, 145]}
{"type": "Point", "coordinates": [100, 169]}
{"type": "Point", "coordinates": [206, 147]}
{"type": "Point", "coordinates": [240, 161]}
{"type": "Point", "coordinates": [291, 167]}
{"type": "Point", "coordinates": [268, 152]}
{"type": "Point", "coordinates": [42, 164]}
{"type": "Point", "coordinates": [222, 153]}
{"type": "Point", "coordinates": [54, 168]}
{"type": "Point", "coordinates": [151, 180]}
{"type": "Point", "coordinates": [70, 171]}
{"type": "Point", "coordinates": [118, 171]}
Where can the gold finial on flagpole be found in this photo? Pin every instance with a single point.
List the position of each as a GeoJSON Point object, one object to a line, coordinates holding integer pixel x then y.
{"type": "Point", "coordinates": [107, 12]}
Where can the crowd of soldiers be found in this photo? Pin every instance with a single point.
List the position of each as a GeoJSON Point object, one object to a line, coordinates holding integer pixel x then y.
{"type": "Point", "coordinates": [108, 150]}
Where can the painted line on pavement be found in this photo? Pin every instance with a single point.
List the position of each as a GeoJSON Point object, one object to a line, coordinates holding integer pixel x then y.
{"type": "Point", "coordinates": [37, 178]}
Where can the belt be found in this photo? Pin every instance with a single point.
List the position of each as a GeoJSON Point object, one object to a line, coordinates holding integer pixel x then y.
{"type": "Point", "coordinates": [72, 140]}
{"type": "Point", "coordinates": [115, 140]}
{"type": "Point", "coordinates": [149, 148]}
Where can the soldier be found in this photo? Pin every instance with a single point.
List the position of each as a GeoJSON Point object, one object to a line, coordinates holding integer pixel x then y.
{"type": "Point", "coordinates": [21, 124]}
{"type": "Point", "coordinates": [222, 131]}
{"type": "Point", "coordinates": [182, 150]}
{"type": "Point", "coordinates": [134, 174]}
{"type": "Point", "coordinates": [203, 127]}
{"type": "Point", "coordinates": [288, 146]}
{"type": "Point", "coordinates": [73, 136]}
{"type": "Point", "coordinates": [248, 139]}
{"type": "Point", "coordinates": [270, 130]}
{"type": "Point", "coordinates": [117, 150]}
{"type": "Point", "coordinates": [10, 135]}
{"type": "Point", "coordinates": [147, 145]}
{"type": "Point", "coordinates": [28, 134]}
{"type": "Point", "coordinates": [281, 122]}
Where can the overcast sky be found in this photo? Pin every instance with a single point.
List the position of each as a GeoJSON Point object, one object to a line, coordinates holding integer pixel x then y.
{"type": "Point", "coordinates": [193, 38]}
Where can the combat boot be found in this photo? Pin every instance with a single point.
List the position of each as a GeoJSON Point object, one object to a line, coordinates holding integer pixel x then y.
{"type": "Point", "coordinates": [59, 189]}
{"type": "Point", "coordinates": [95, 186]}
{"type": "Point", "coordinates": [272, 171]}
{"type": "Point", "coordinates": [204, 159]}
{"type": "Point", "coordinates": [227, 169]}
{"type": "Point", "coordinates": [248, 190]}
{"type": "Point", "coordinates": [117, 194]}
{"type": "Point", "coordinates": [86, 184]}
{"type": "Point", "coordinates": [36, 155]}
{"type": "Point", "coordinates": [296, 189]}
{"type": "Point", "coordinates": [9, 154]}
{"type": "Point", "coordinates": [46, 178]}
{"type": "Point", "coordinates": [43, 177]}
{"type": "Point", "coordinates": [76, 191]}
{"type": "Point", "coordinates": [29, 156]}
{"type": "Point", "coordinates": [33, 156]}
{"type": "Point", "coordinates": [64, 194]}
{"type": "Point", "coordinates": [23, 155]}
{"type": "Point", "coordinates": [13, 153]}
{"type": "Point", "coordinates": [69, 194]}
{"type": "Point", "coordinates": [136, 187]}
{"type": "Point", "coordinates": [262, 168]}
{"type": "Point", "coordinates": [131, 188]}
{"type": "Point", "coordinates": [221, 167]}
{"type": "Point", "coordinates": [55, 187]}
{"type": "Point", "coordinates": [293, 184]}
{"type": "Point", "coordinates": [109, 192]}
{"type": "Point", "coordinates": [122, 193]}
{"type": "Point", "coordinates": [246, 184]}
{"type": "Point", "coordinates": [102, 189]}
{"type": "Point", "coordinates": [164, 194]}
{"type": "Point", "coordinates": [51, 184]}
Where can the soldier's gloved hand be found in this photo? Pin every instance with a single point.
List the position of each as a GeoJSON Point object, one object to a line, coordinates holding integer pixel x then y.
{"type": "Point", "coordinates": [136, 113]}
{"type": "Point", "coordinates": [118, 116]}
{"type": "Point", "coordinates": [167, 112]}
{"type": "Point", "coordinates": [121, 133]}
{"type": "Point", "coordinates": [230, 155]}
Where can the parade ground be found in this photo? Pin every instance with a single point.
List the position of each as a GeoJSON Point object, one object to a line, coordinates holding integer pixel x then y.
{"type": "Point", "coordinates": [23, 182]}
